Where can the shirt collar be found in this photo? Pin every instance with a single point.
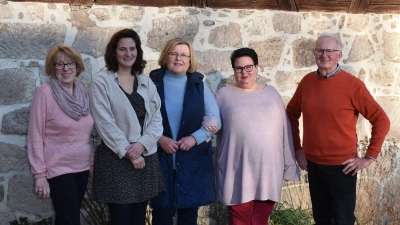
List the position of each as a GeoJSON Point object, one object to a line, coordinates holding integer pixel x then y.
{"type": "Point", "coordinates": [331, 74]}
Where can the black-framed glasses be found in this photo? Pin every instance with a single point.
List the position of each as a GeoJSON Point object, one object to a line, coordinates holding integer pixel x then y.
{"type": "Point", "coordinates": [247, 68]}
{"type": "Point", "coordinates": [176, 55]}
{"type": "Point", "coordinates": [60, 66]}
{"type": "Point", "coordinates": [329, 52]}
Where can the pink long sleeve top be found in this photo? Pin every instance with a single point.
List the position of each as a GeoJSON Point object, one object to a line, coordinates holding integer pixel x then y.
{"type": "Point", "coordinates": [56, 143]}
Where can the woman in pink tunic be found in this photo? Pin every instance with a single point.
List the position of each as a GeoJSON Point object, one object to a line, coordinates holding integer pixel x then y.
{"type": "Point", "coordinates": [255, 149]}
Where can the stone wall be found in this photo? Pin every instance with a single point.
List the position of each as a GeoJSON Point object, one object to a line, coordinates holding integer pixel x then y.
{"type": "Point", "coordinates": [283, 40]}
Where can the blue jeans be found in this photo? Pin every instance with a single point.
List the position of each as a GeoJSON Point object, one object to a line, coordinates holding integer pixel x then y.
{"type": "Point", "coordinates": [67, 192]}
{"type": "Point", "coordinates": [164, 216]}
{"type": "Point", "coordinates": [333, 194]}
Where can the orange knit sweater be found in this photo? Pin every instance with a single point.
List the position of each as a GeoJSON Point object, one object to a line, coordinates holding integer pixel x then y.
{"type": "Point", "coordinates": [330, 107]}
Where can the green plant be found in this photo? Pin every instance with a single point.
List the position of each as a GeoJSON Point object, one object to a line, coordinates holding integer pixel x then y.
{"type": "Point", "coordinates": [24, 221]}
{"type": "Point", "coordinates": [290, 216]}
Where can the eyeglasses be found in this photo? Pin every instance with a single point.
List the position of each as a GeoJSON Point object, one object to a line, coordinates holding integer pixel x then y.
{"type": "Point", "coordinates": [329, 52]}
{"type": "Point", "coordinates": [60, 66]}
{"type": "Point", "coordinates": [247, 68]}
{"type": "Point", "coordinates": [176, 55]}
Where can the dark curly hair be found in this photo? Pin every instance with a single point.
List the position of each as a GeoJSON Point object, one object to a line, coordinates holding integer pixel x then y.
{"type": "Point", "coordinates": [244, 52]}
{"type": "Point", "coordinates": [111, 60]}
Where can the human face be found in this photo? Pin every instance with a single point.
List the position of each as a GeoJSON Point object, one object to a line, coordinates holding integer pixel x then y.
{"type": "Point", "coordinates": [244, 79]}
{"type": "Point", "coordinates": [66, 75]}
{"type": "Point", "coordinates": [326, 63]}
{"type": "Point", "coordinates": [126, 53]}
{"type": "Point", "coordinates": [176, 64]}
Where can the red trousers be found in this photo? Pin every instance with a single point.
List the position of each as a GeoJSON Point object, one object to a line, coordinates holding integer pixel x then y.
{"type": "Point", "coordinates": [251, 213]}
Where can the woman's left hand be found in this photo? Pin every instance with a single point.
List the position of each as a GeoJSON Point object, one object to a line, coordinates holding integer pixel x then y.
{"type": "Point", "coordinates": [138, 163]}
{"type": "Point", "coordinates": [42, 188]}
{"type": "Point", "coordinates": [186, 143]}
{"type": "Point", "coordinates": [134, 150]}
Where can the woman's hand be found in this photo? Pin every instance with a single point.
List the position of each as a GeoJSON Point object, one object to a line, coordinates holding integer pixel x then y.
{"type": "Point", "coordinates": [134, 150]}
{"type": "Point", "coordinates": [168, 145]}
{"type": "Point", "coordinates": [138, 163]}
{"type": "Point", "coordinates": [42, 189]}
{"type": "Point", "coordinates": [186, 143]}
{"type": "Point", "coordinates": [211, 128]}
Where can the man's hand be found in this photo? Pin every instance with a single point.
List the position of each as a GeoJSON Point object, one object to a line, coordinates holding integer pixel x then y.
{"type": "Point", "coordinates": [168, 145]}
{"type": "Point", "coordinates": [356, 165]}
{"type": "Point", "coordinates": [301, 159]}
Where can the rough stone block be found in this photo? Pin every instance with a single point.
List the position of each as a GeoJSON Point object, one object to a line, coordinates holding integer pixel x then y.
{"type": "Point", "coordinates": [168, 28]}
{"type": "Point", "coordinates": [132, 15]}
{"type": "Point", "coordinates": [391, 43]}
{"type": "Point", "coordinates": [288, 23]}
{"type": "Point", "coordinates": [289, 80]}
{"type": "Point", "coordinates": [5, 12]}
{"type": "Point", "coordinates": [93, 40]}
{"type": "Point", "coordinates": [214, 60]}
{"type": "Point", "coordinates": [29, 41]}
{"type": "Point", "coordinates": [12, 158]}
{"type": "Point", "coordinates": [384, 76]}
{"type": "Point", "coordinates": [208, 23]}
{"type": "Point", "coordinates": [226, 36]}
{"type": "Point", "coordinates": [303, 52]}
{"type": "Point", "coordinates": [21, 197]}
{"type": "Point", "coordinates": [244, 13]}
{"type": "Point", "coordinates": [322, 25]}
{"type": "Point", "coordinates": [358, 22]}
{"type": "Point", "coordinates": [35, 11]}
{"type": "Point", "coordinates": [17, 86]}
{"type": "Point", "coordinates": [391, 105]}
{"type": "Point", "coordinates": [269, 51]}
{"type": "Point", "coordinates": [257, 26]}
{"type": "Point", "coordinates": [16, 122]}
{"type": "Point", "coordinates": [81, 20]}
{"type": "Point", "coordinates": [361, 49]}
{"type": "Point", "coordinates": [100, 14]}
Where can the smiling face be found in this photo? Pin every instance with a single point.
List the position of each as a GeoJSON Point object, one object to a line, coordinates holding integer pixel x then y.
{"type": "Point", "coordinates": [244, 79]}
{"type": "Point", "coordinates": [126, 53]}
{"type": "Point", "coordinates": [66, 75]}
{"type": "Point", "coordinates": [176, 64]}
{"type": "Point", "coordinates": [326, 63]}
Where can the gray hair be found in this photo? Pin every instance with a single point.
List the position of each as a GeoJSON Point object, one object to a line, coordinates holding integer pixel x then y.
{"type": "Point", "coordinates": [328, 35]}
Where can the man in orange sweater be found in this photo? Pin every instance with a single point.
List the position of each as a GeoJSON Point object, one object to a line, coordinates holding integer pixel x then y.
{"type": "Point", "coordinates": [330, 101]}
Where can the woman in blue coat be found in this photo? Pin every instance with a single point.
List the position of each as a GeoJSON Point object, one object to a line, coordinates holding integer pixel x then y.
{"type": "Point", "coordinates": [184, 150]}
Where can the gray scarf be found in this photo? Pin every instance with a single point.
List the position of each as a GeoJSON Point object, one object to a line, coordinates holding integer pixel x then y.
{"type": "Point", "coordinates": [74, 106]}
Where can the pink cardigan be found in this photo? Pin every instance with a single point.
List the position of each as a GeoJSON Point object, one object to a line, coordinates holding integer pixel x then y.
{"type": "Point", "coordinates": [57, 144]}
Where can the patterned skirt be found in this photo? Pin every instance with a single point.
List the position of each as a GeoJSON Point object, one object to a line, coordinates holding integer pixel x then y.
{"type": "Point", "coordinates": [115, 180]}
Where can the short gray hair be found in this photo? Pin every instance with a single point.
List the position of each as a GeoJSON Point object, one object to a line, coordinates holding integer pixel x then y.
{"type": "Point", "coordinates": [328, 35]}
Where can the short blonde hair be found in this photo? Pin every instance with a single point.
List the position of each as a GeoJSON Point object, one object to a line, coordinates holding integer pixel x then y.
{"type": "Point", "coordinates": [170, 45]}
{"type": "Point", "coordinates": [68, 51]}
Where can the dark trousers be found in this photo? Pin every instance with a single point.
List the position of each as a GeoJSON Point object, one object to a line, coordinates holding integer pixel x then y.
{"type": "Point", "coordinates": [128, 214]}
{"type": "Point", "coordinates": [333, 194]}
{"type": "Point", "coordinates": [164, 216]}
{"type": "Point", "coordinates": [67, 192]}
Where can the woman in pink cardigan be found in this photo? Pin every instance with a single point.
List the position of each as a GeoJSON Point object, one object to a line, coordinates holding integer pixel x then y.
{"type": "Point", "coordinates": [59, 146]}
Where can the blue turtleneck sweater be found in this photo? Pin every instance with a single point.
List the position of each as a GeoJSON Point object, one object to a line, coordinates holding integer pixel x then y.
{"type": "Point", "coordinates": [174, 106]}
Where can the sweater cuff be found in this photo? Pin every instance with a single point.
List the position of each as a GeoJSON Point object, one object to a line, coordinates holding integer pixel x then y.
{"type": "Point", "coordinates": [120, 150]}
{"type": "Point", "coordinates": [40, 175]}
